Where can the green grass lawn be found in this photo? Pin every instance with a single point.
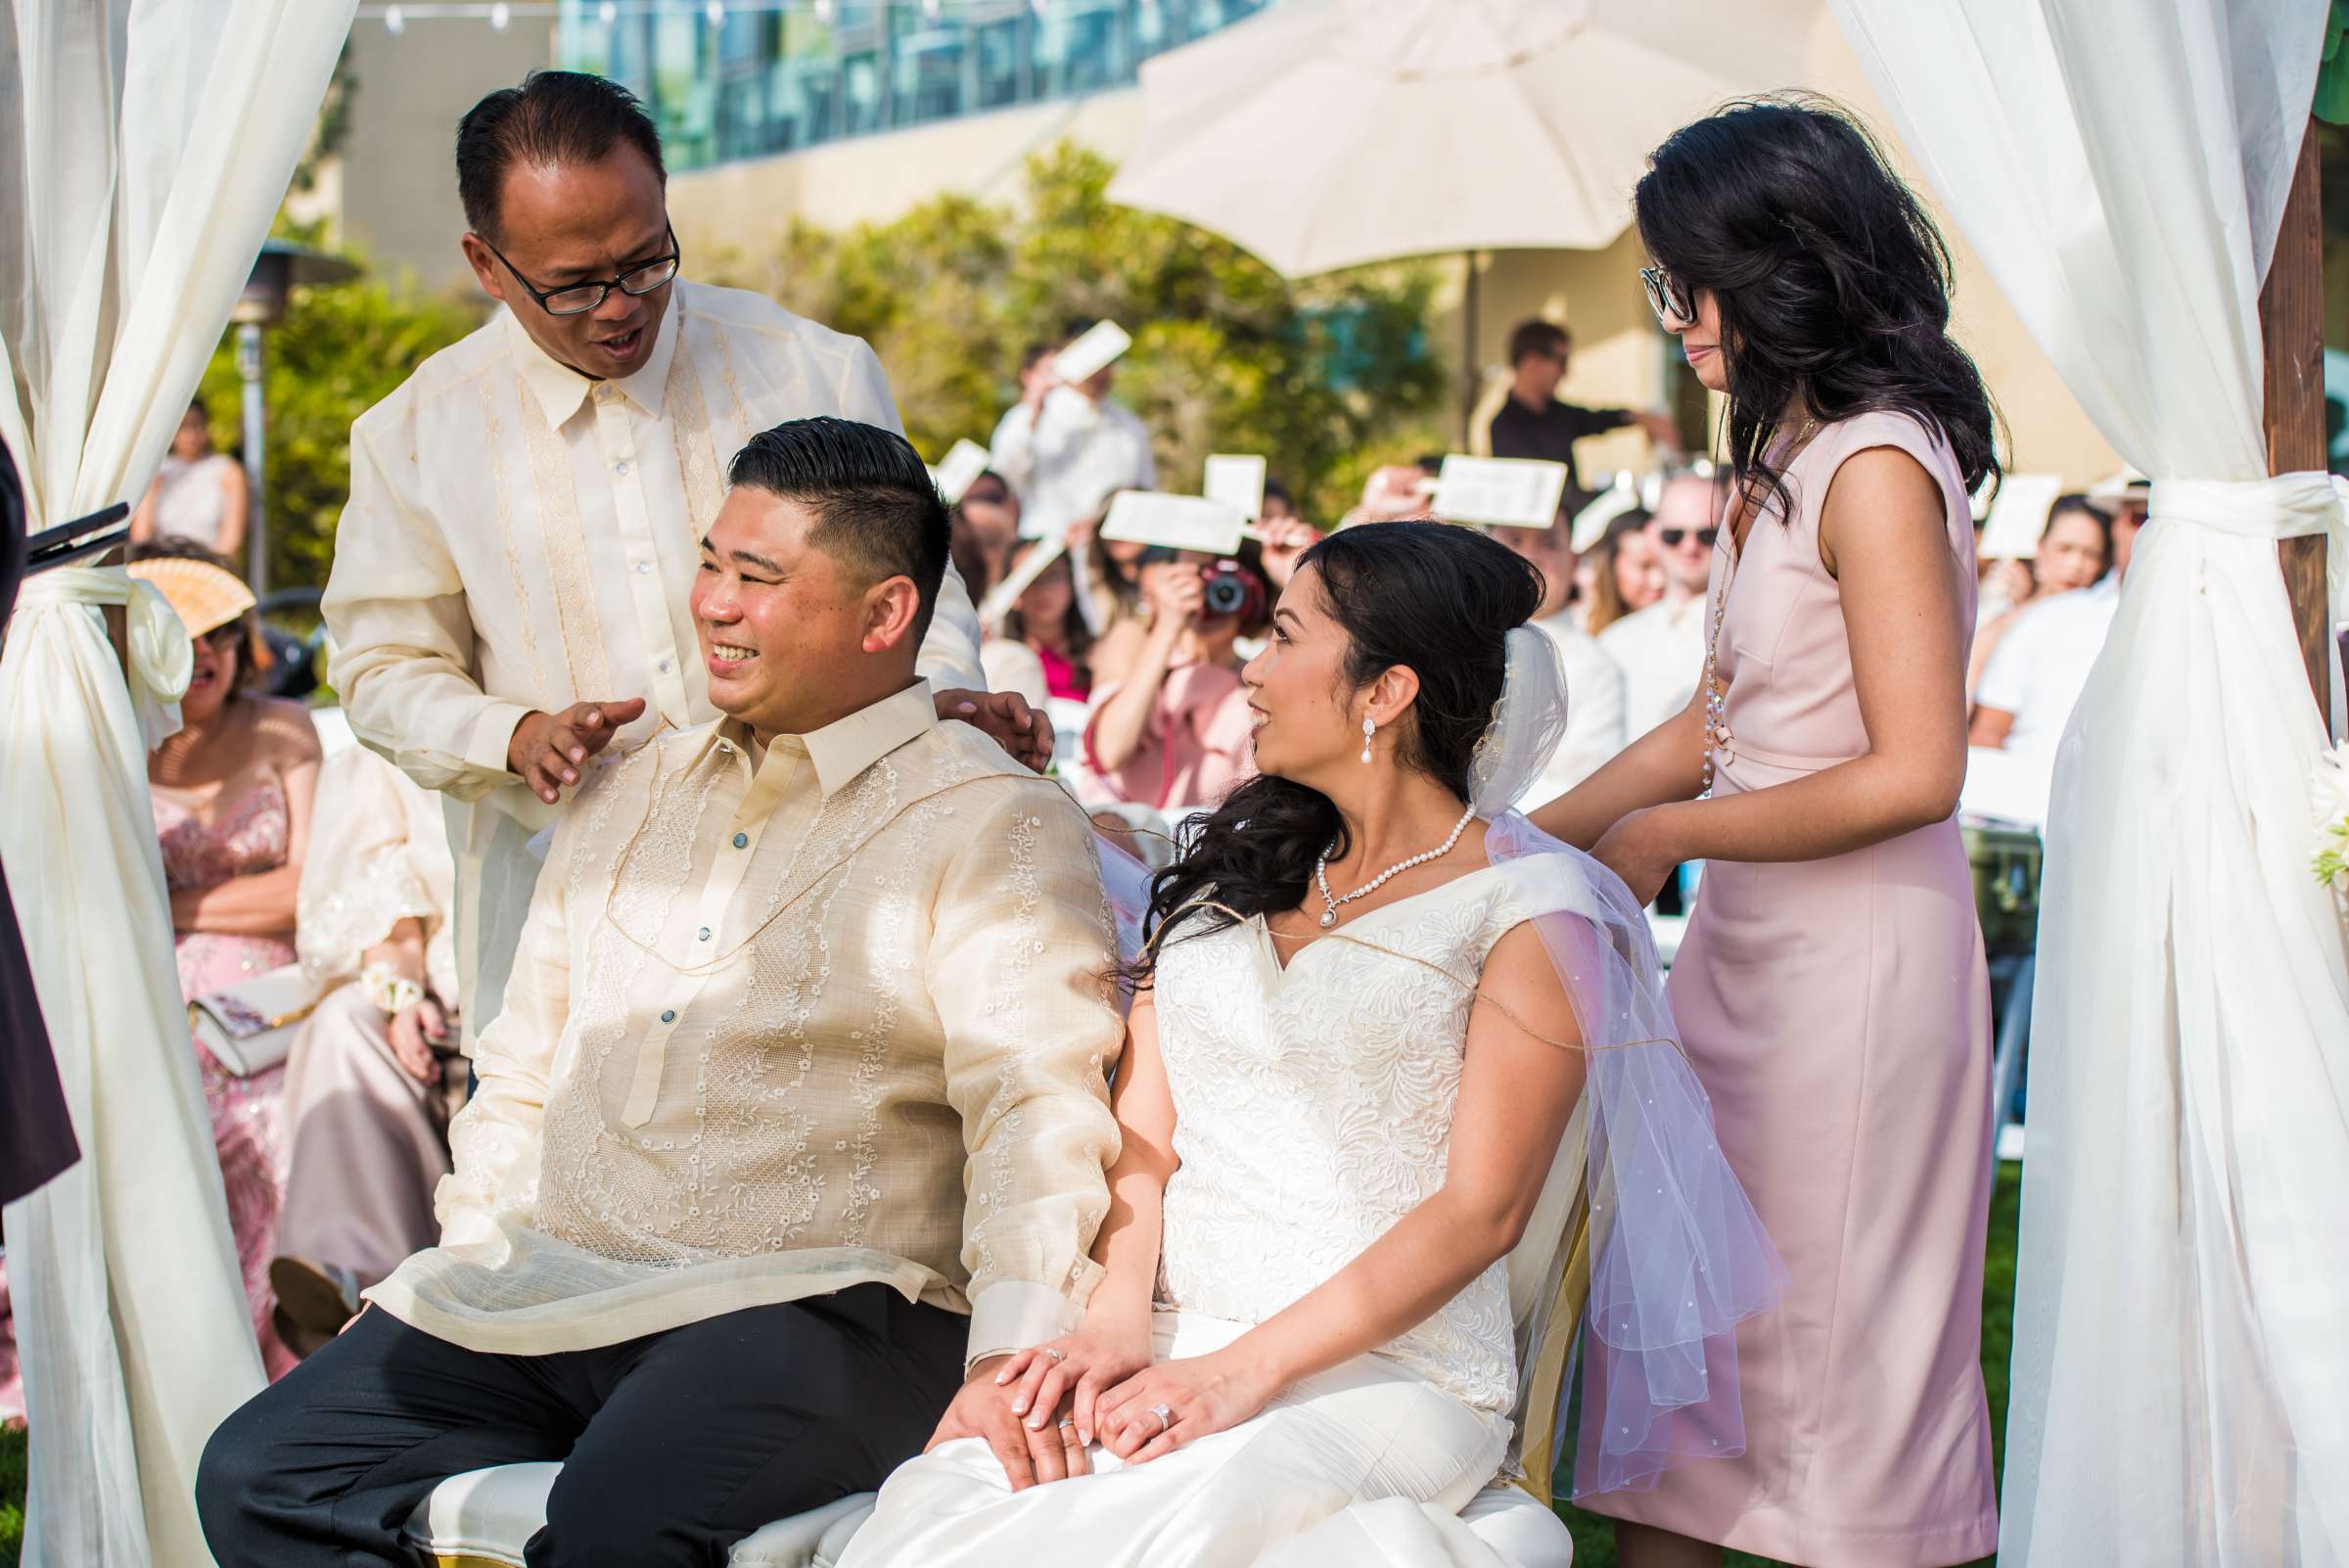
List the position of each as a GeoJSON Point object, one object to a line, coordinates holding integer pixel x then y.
{"type": "Point", "coordinates": [1593, 1541]}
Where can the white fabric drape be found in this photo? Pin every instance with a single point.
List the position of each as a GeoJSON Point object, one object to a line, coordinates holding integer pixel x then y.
{"type": "Point", "coordinates": [146, 145]}
{"type": "Point", "coordinates": [2180, 1382]}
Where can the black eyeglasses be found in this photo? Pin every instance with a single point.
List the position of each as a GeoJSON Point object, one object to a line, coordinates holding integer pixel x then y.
{"type": "Point", "coordinates": [1672, 537]}
{"type": "Point", "coordinates": [578, 298]}
{"type": "Point", "coordinates": [1668, 296]}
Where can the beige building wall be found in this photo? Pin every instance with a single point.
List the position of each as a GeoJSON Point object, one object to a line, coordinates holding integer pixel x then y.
{"type": "Point", "coordinates": [1620, 356]}
{"type": "Point", "coordinates": [397, 178]}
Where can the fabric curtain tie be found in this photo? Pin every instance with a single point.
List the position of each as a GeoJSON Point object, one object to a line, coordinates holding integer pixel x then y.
{"type": "Point", "coordinates": [161, 658]}
{"type": "Point", "coordinates": [2289, 506]}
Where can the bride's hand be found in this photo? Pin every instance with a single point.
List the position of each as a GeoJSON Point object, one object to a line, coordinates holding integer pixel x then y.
{"type": "Point", "coordinates": [1201, 1395]}
{"type": "Point", "coordinates": [1078, 1367]}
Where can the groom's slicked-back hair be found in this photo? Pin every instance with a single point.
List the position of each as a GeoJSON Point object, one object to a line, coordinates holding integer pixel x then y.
{"type": "Point", "coordinates": [878, 512]}
{"type": "Point", "coordinates": [554, 117]}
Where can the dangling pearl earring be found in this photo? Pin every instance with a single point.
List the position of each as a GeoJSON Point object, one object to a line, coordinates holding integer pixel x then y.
{"type": "Point", "coordinates": [1369, 728]}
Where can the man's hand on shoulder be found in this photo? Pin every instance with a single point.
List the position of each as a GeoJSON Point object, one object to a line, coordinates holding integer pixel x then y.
{"type": "Point", "coordinates": [1044, 1451]}
{"type": "Point", "coordinates": [548, 749]}
{"type": "Point", "coordinates": [1005, 718]}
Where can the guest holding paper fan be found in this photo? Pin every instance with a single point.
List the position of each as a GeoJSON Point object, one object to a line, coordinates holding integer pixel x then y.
{"type": "Point", "coordinates": [1067, 447]}
{"type": "Point", "coordinates": [232, 807]}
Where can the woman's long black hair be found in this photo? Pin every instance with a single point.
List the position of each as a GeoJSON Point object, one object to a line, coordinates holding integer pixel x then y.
{"type": "Point", "coordinates": [1833, 284]}
{"type": "Point", "coordinates": [1438, 598]}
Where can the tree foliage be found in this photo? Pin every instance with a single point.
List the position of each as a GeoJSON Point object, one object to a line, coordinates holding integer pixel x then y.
{"type": "Point", "coordinates": [338, 352]}
{"type": "Point", "coordinates": [1323, 376]}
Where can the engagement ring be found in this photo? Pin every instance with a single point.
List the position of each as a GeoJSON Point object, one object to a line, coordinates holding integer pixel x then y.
{"type": "Point", "coordinates": [1058, 1356]}
{"type": "Point", "coordinates": [1166, 1417]}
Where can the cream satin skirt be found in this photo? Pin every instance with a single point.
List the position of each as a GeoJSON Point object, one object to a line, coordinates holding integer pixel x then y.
{"type": "Point", "coordinates": [1365, 1433]}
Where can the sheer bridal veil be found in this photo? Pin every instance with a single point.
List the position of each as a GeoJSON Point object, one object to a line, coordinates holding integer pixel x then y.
{"type": "Point", "coordinates": [1640, 1215]}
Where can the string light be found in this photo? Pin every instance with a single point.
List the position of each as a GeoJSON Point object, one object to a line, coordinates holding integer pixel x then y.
{"type": "Point", "coordinates": [715, 10]}
{"type": "Point", "coordinates": [823, 9]}
{"type": "Point", "coordinates": [499, 16]}
{"type": "Point", "coordinates": [608, 13]}
{"type": "Point", "coordinates": [395, 24]}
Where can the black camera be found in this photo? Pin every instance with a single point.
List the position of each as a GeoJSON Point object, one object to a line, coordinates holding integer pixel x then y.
{"type": "Point", "coordinates": [1229, 590]}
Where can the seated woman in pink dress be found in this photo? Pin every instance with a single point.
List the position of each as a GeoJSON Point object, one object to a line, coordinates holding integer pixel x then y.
{"type": "Point", "coordinates": [1176, 732]}
{"type": "Point", "coordinates": [232, 807]}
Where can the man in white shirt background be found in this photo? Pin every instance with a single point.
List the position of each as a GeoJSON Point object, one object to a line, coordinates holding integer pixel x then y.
{"type": "Point", "coordinates": [2029, 688]}
{"type": "Point", "coordinates": [1067, 449]}
{"type": "Point", "coordinates": [1661, 649]}
{"type": "Point", "coordinates": [511, 570]}
{"type": "Point", "coordinates": [1594, 682]}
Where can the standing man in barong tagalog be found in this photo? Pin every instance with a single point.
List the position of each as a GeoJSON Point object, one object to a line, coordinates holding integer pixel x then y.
{"type": "Point", "coordinates": [511, 572]}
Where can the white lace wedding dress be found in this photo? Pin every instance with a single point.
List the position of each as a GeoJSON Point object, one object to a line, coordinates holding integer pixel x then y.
{"type": "Point", "coordinates": [1313, 1109]}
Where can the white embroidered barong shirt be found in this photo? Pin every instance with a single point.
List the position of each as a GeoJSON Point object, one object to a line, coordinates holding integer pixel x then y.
{"type": "Point", "coordinates": [779, 1027]}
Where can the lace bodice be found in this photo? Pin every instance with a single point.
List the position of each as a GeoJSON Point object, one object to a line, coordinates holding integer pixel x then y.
{"type": "Point", "coordinates": [1314, 1110]}
{"type": "Point", "coordinates": [250, 836]}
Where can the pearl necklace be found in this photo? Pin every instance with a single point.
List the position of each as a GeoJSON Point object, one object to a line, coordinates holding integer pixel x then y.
{"type": "Point", "coordinates": [1329, 909]}
{"type": "Point", "coordinates": [1719, 742]}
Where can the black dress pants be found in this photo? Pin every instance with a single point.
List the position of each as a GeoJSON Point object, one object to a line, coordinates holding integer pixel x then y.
{"type": "Point", "coordinates": [674, 1445]}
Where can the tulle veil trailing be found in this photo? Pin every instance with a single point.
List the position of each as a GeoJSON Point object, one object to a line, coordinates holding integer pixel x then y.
{"type": "Point", "coordinates": [1642, 1239]}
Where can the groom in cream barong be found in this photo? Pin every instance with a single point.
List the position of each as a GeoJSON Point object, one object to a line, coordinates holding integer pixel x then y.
{"type": "Point", "coordinates": [794, 983]}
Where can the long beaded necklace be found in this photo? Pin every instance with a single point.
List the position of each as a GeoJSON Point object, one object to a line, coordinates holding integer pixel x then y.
{"type": "Point", "coordinates": [1329, 909]}
{"type": "Point", "coordinates": [1718, 739]}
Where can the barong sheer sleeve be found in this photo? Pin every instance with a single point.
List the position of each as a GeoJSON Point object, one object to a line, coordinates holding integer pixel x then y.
{"type": "Point", "coordinates": [1020, 968]}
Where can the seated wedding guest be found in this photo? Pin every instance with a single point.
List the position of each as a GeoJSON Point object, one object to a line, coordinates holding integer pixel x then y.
{"type": "Point", "coordinates": [1173, 732]}
{"type": "Point", "coordinates": [2075, 550]}
{"type": "Point", "coordinates": [365, 1112]}
{"type": "Point", "coordinates": [1662, 648]}
{"type": "Point", "coordinates": [1045, 621]}
{"type": "Point", "coordinates": [1339, 1203]}
{"type": "Point", "coordinates": [1108, 576]}
{"type": "Point", "coordinates": [1595, 684]}
{"type": "Point", "coordinates": [989, 514]}
{"type": "Point", "coordinates": [1067, 449]}
{"type": "Point", "coordinates": [232, 793]}
{"type": "Point", "coordinates": [1533, 423]}
{"type": "Point", "coordinates": [197, 494]}
{"type": "Point", "coordinates": [1623, 573]}
{"type": "Point", "coordinates": [2026, 695]}
{"type": "Point", "coordinates": [708, 1243]}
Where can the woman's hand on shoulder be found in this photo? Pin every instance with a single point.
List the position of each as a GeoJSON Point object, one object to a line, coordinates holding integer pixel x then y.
{"type": "Point", "coordinates": [1637, 850]}
{"type": "Point", "coordinates": [1072, 1372]}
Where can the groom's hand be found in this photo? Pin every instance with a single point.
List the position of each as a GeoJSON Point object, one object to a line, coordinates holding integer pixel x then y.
{"type": "Point", "coordinates": [548, 749]}
{"type": "Point", "coordinates": [982, 1409]}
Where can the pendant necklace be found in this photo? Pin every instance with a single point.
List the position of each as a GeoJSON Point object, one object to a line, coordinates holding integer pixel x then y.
{"type": "Point", "coordinates": [1329, 905]}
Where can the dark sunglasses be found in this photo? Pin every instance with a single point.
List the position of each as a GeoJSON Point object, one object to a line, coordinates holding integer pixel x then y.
{"type": "Point", "coordinates": [1668, 296]}
{"type": "Point", "coordinates": [1672, 537]}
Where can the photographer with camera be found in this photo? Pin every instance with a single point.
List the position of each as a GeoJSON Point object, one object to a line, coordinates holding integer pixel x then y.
{"type": "Point", "coordinates": [1173, 733]}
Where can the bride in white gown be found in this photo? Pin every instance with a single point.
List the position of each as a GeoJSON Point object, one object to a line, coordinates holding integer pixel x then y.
{"type": "Point", "coordinates": [1372, 1006]}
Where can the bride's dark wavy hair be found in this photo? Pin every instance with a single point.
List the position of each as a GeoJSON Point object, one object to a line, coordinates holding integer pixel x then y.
{"type": "Point", "coordinates": [1833, 283]}
{"type": "Point", "coordinates": [1438, 598]}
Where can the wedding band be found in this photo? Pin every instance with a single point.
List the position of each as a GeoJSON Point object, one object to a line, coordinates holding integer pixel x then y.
{"type": "Point", "coordinates": [1166, 1417]}
{"type": "Point", "coordinates": [1068, 1424]}
{"type": "Point", "coordinates": [1058, 1356]}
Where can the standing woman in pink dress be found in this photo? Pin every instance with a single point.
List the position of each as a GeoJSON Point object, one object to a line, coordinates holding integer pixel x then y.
{"type": "Point", "coordinates": [232, 807]}
{"type": "Point", "coordinates": [1831, 990]}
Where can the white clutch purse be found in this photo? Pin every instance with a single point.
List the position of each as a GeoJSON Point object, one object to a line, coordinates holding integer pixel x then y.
{"type": "Point", "coordinates": [250, 1026]}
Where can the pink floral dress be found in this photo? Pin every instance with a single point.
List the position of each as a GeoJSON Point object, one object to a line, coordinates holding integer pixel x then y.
{"type": "Point", "coordinates": [250, 837]}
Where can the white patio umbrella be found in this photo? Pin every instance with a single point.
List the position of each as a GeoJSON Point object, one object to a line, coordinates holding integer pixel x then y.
{"type": "Point", "coordinates": [1327, 133]}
